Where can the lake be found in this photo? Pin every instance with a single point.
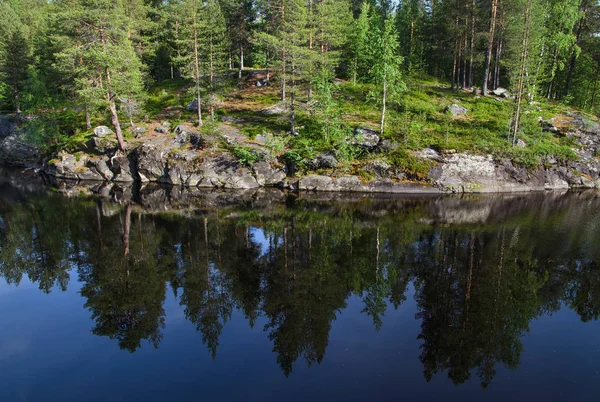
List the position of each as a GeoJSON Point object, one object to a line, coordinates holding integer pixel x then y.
{"type": "Point", "coordinates": [144, 296]}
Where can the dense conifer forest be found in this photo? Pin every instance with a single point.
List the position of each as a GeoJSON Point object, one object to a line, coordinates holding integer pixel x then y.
{"type": "Point", "coordinates": [330, 65]}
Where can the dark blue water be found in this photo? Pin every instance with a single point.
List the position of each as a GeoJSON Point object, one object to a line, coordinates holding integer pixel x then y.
{"type": "Point", "coordinates": [405, 299]}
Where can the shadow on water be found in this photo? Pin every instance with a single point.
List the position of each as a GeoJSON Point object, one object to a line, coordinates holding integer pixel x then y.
{"type": "Point", "coordinates": [482, 267]}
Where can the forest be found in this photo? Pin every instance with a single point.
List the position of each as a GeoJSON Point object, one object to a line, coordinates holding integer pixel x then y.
{"type": "Point", "coordinates": [66, 65]}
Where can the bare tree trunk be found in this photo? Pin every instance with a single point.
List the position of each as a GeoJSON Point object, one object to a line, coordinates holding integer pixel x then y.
{"type": "Point", "coordinates": [197, 69]}
{"type": "Point", "coordinates": [293, 100]}
{"type": "Point", "coordinates": [459, 67]}
{"type": "Point", "coordinates": [110, 97]}
{"type": "Point", "coordinates": [212, 79]}
{"type": "Point", "coordinates": [127, 229]}
{"type": "Point", "coordinates": [454, 67]}
{"type": "Point", "coordinates": [496, 81]}
{"type": "Point", "coordinates": [552, 74]}
{"type": "Point", "coordinates": [595, 90]}
{"type": "Point", "coordinates": [381, 130]}
{"type": "Point", "coordinates": [488, 55]}
{"type": "Point", "coordinates": [88, 119]}
{"type": "Point", "coordinates": [310, 47]}
{"type": "Point", "coordinates": [472, 44]}
{"type": "Point", "coordinates": [522, 74]}
{"type": "Point", "coordinates": [283, 54]}
{"type": "Point", "coordinates": [241, 61]}
{"type": "Point", "coordinates": [464, 76]}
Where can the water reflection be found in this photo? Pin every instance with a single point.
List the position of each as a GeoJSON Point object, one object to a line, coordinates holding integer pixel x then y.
{"type": "Point", "coordinates": [481, 268]}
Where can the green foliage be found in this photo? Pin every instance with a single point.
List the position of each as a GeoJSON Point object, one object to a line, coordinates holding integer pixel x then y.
{"type": "Point", "coordinates": [415, 168]}
{"type": "Point", "coordinates": [276, 144]}
{"type": "Point", "coordinates": [247, 156]}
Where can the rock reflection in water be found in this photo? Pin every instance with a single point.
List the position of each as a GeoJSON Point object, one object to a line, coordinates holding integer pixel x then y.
{"type": "Point", "coordinates": [482, 267]}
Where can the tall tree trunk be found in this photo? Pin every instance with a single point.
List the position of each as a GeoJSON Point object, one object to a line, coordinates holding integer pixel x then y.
{"type": "Point", "coordinates": [110, 97]}
{"type": "Point", "coordinates": [522, 73]}
{"type": "Point", "coordinates": [472, 44]}
{"type": "Point", "coordinates": [310, 47]}
{"type": "Point", "coordinates": [197, 69]}
{"type": "Point", "coordinates": [293, 101]}
{"type": "Point", "coordinates": [211, 86]}
{"type": "Point", "coordinates": [496, 80]}
{"type": "Point", "coordinates": [241, 61]}
{"type": "Point", "coordinates": [88, 119]}
{"type": "Point", "coordinates": [552, 73]}
{"type": "Point", "coordinates": [488, 55]}
{"type": "Point", "coordinates": [453, 82]}
{"type": "Point", "coordinates": [459, 67]}
{"type": "Point", "coordinates": [383, 104]}
{"type": "Point", "coordinates": [464, 76]}
{"type": "Point", "coordinates": [593, 105]}
{"type": "Point", "coordinates": [283, 53]}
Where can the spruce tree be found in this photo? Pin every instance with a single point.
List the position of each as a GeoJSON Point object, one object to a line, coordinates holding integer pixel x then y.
{"type": "Point", "coordinates": [15, 54]}
{"type": "Point", "coordinates": [359, 41]}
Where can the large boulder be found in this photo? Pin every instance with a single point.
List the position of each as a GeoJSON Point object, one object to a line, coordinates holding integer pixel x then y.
{"type": "Point", "coordinates": [102, 131]}
{"type": "Point", "coordinates": [64, 167]}
{"type": "Point", "coordinates": [139, 131]}
{"type": "Point", "coordinates": [456, 110]}
{"type": "Point", "coordinates": [366, 138]}
{"type": "Point", "coordinates": [152, 160]}
{"type": "Point", "coordinates": [378, 168]}
{"type": "Point", "coordinates": [101, 145]}
{"type": "Point", "coordinates": [323, 161]}
{"type": "Point", "coordinates": [124, 168]}
{"type": "Point", "coordinates": [101, 167]}
{"type": "Point", "coordinates": [502, 92]}
{"type": "Point", "coordinates": [268, 175]}
{"type": "Point", "coordinates": [185, 135]}
{"type": "Point", "coordinates": [192, 106]}
{"type": "Point", "coordinates": [226, 171]}
{"type": "Point", "coordinates": [8, 126]}
{"type": "Point", "coordinates": [14, 150]}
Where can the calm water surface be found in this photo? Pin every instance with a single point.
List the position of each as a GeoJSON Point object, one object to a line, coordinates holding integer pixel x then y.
{"type": "Point", "coordinates": [491, 298]}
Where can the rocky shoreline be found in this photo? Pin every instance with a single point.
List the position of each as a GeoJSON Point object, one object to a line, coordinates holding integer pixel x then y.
{"type": "Point", "coordinates": [190, 160]}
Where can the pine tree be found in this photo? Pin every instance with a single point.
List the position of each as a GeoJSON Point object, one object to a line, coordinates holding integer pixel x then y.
{"type": "Point", "coordinates": [100, 54]}
{"type": "Point", "coordinates": [490, 47]}
{"type": "Point", "coordinates": [289, 44]}
{"type": "Point", "coordinates": [215, 45]}
{"type": "Point", "coordinates": [525, 41]}
{"type": "Point", "coordinates": [203, 45]}
{"type": "Point", "coordinates": [240, 16]}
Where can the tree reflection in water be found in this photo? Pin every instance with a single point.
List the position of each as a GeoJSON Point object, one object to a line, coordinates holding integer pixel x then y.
{"type": "Point", "coordinates": [482, 269]}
